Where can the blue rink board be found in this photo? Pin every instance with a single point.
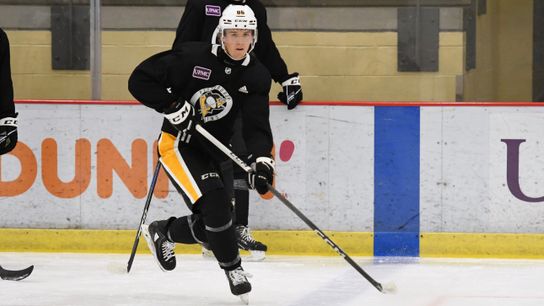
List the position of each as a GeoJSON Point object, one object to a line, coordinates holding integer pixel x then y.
{"type": "Point", "coordinates": [396, 181]}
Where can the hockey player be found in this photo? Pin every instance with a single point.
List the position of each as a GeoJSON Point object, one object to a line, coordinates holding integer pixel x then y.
{"type": "Point", "coordinates": [8, 129]}
{"type": "Point", "coordinates": [198, 23]}
{"type": "Point", "coordinates": [8, 116]}
{"type": "Point", "coordinates": [206, 84]}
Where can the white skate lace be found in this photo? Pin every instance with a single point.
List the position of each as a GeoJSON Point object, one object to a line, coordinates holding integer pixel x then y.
{"type": "Point", "coordinates": [239, 276]}
{"type": "Point", "coordinates": [168, 250]}
{"type": "Point", "coordinates": [246, 235]}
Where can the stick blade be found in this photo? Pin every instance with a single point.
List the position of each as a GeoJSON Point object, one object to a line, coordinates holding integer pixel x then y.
{"type": "Point", "coordinates": [116, 268]}
{"type": "Point", "coordinates": [389, 288]}
{"type": "Point", "coordinates": [15, 275]}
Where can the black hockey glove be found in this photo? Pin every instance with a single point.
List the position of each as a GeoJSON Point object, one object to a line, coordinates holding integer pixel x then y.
{"type": "Point", "coordinates": [292, 91]}
{"type": "Point", "coordinates": [182, 116]}
{"type": "Point", "coordinates": [8, 133]}
{"type": "Point", "coordinates": [263, 173]}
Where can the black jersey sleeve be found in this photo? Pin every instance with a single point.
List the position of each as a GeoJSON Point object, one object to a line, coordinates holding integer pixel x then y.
{"type": "Point", "coordinates": [266, 49]}
{"type": "Point", "coordinates": [149, 83]}
{"type": "Point", "coordinates": [256, 125]}
{"type": "Point", "coordinates": [190, 25]}
{"type": "Point", "coordinates": [256, 116]}
{"type": "Point", "coordinates": [7, 108]}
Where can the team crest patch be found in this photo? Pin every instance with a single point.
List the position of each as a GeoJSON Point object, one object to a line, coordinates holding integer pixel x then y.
{"type": "Point", "coordinates": [213, 10]}
{"type": "Point", "coordinates": [213, 103]}
{"type": "Point", "coordinates": [201, 73]}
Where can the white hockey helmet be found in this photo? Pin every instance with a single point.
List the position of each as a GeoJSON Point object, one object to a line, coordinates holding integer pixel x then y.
{"type": "Point", "coordinates": [237, 17]}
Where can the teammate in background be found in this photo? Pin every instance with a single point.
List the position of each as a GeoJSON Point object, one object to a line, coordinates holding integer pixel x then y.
{"type": "Point", "coordinates": [201, 83]}
{"type": "Point", "coordinates": [198, 23]}
{"type": "Point", "coordinates": [8, 128]}
{"type": "Point", "coordinates": [8, 116]}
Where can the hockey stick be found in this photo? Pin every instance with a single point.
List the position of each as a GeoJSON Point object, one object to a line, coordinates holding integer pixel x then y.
{"type": "Point", "coordinates": [6, 136]}
{"type": "Point", "coordinates": [15, 275]}
{"type": "Point", "coordinates": [144, 215]}
{"type": "Point", "coordinates": [386, 288]}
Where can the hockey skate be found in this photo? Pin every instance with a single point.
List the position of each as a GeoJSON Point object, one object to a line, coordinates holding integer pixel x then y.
{"type": "Point", "coordinates": [247, 243]}
{"type": "Point", "coordinates": [238, 283]}
{"type": "Point", "coordinates": [161, 248]}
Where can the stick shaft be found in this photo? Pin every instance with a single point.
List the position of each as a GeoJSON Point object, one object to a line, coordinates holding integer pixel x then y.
{"type": "Point", "coordinates": [144, 215]}
{"type": "Point", "coordinates": [292, 207]}
{"type": "Point", "coordinates": [6, 136]}
{"type": "Point", "coordinates": [323, 236]}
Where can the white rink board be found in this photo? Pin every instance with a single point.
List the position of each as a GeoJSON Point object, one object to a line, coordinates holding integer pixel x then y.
{"type": "Point", "coordinates": [463, 169]}
{"type": "Point", "coordinates": [322, 175]}
{"type": "Point", "coordinates": [329, 177]}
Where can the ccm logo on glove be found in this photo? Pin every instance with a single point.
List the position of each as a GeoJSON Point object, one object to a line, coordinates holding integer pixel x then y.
{"type": "Point", "coordinates": [181, 115]}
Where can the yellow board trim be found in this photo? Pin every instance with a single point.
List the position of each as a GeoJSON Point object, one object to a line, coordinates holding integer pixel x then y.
{"type": "Point", "coordinates": [306, 243]}
{"type": "Point", "coordinates": [120, 241]}
{"type": "Point", "coordinates": [303, 243]}
{"type": "Point", "coordinates": [482, 245]}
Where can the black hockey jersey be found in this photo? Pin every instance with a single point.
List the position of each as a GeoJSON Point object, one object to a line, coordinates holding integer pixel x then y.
{"type": "Point", "coordinates": [201, 17]}
{"type": "Point", "coordinates": [218, 87]}
{"type": "Point", "coordinates": [7, 108]}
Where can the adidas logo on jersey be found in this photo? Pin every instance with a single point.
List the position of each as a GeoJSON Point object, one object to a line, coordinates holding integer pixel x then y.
{"type": "Point", "coordinates": [243, 89]}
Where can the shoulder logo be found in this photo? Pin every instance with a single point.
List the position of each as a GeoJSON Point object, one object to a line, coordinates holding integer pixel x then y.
{"type": "Point", "coordinates": [201, 73]}
{"type": "Point", "coordinates": [243, 89]}
{"type": "Point", "coordinates": [213, 10]}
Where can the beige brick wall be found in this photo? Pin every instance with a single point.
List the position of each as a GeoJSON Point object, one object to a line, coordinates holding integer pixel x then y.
{"type": "Point", "coordinates": [32, 75]}
{"type": "Point", "coordinates": [504, 53]}
{"type": "Point", "coordinates": [363, 67]}
{"type": "Point", "coordinates": [122, 51]}
{"type": "Point", "coordinates": [335, 66]}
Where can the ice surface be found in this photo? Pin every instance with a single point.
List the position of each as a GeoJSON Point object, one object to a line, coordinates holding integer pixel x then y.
{"type": "Point", "coordinates": [94, 279]}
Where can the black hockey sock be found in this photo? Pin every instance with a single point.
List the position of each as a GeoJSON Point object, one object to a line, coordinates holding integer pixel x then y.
{"type": "Point", "coordinates": [241, 206]}
{"type": "Point", "coordinates": [225, 248]}
{"type": "Point", "coordinates": [227, 176]}
{"type": "Point", "coordinates": [187, 229]}
{"type": "Point", "coordinates": [216, 215]}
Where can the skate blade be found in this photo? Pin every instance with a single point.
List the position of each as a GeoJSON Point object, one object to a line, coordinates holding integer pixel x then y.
{"type": "Point", "coordinates": [244, 298]}
{"type": "Point", "coordinates": [255, 256]}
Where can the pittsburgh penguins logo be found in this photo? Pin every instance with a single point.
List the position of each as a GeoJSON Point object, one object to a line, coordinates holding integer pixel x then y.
{"type": "Point", "coordinates": [213, 103]}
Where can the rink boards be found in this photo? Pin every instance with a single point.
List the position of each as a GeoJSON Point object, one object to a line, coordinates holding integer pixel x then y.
{"type": "Point", "coordinates": [386, 180]}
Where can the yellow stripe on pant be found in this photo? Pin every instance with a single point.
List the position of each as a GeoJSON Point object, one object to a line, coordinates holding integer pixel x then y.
{"type": "Point", "coordinates": [176, 167]}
